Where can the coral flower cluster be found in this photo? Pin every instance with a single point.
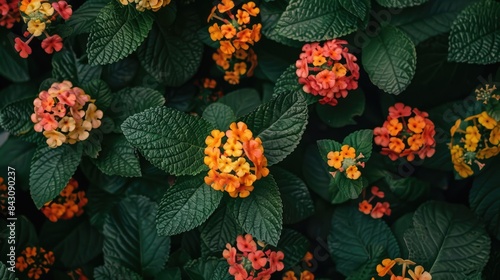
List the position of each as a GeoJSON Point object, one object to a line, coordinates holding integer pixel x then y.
{"type": "Point", "coordinates": [346, 161]}
{"type": "Point", "coordinates": [68, 204]}
{"type": "Point", "coordinates": [250, 260]}
{"type": "Point", "coordinates": [418, 273]}
{"type": "Point", "coordinates": [65, 114]}
{"type": "Point", "coordinates": [327, 70]}
{"type": "Point", "coordinates": [406, 133]}
{"type": "Point", "coordinates": [473, 139]}
{"type": "Point", "coordinates": [380, 209]}
{"type": "Point", "coordinates": [35, 261]}
{"type": "Point", "coordinates": [9, 13]}
{"type": "Point", "coordinates": [38, 15]}
{"type": "Point", "coordinates": [142, 5]}
{"type": "Point", "coordinates": [235, 38]}
{"type": "Point", "coordinates": [236, 163]}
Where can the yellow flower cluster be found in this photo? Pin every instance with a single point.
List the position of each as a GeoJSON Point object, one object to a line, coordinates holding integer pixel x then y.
{"type": "Point", "coordinates": [142, 5]}
{"type": "Point", "coordinates": [37, 14]}
{"type": "Point", "coordinates": [234, 54]}
{"type": "Point", "coordinates": [236, 164]}
{"type": "Point", "coordinates": [346, 160]}
{"type": "Point", "coordinates": [476, 138]}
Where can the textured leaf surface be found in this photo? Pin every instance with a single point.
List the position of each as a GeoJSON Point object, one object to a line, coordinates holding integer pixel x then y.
{"type": "Point", "coordinates": [475, 34]}
{"type": "Point", "coordinates": [220, 115]}
{"type": "Point", "coordinates": [448, 240]}
{"type": "Point", "coordinates": [400, 3]}
{"type": "Point", "coordinates": [390, 60]}
{"type": "Point", "coordinates": [261, 213]}
{"type": "Point", "coordinates": [5, 274]}
{"type": "Point", "coordinates": [65, 66]}
{"type": "Point", "coordinates": [315, 20]}
{"type": "Point", "coordinates": [186, 205]}
{"type": "Point", "coordinates": [169, 139]}
{"type": "Point", "coordinates": [356, 238]}
{"type": "Point", "coordinates": [15, 117]}
{"type": "Point", "coordinates": [208, 269]}
{"type": "Point", "coordinates": [117, 31]}
{"type": "Point", "coordinates": [173, 56]}
{"type": "Point", "coordinates": [288, 83]}
{"type": "Point", "coordinates": [361, 140]}
{"type": "Point", "coordinates": [118, 157]}
{"type": "Point", "coordinates": [242, 101]}
{"type": "Point", "coordinates": [294, 245]}
{"type": "Point", "coordinates": [347, 108]}
{"type": "Point", "coordinates": [359, 8]}
{"type": "Point", "coordinates": [220, 229]}
{"type": "Point", "coordinates": [130, 237]}
{"type": "Point", "coordinates": [270, 14]}
{"type": "Point", "coordinates": [51, 170]}
{"type": "Point", "coordinates": [113, 271]}
{"type": "Point", "coordinates": [98, 90]}
{"type": "Point", "coordinates": [13, 67]}
{"type": "Point", "coordinates": [279, 124]}
{"type": "Point", "coordinates": [84, 17]}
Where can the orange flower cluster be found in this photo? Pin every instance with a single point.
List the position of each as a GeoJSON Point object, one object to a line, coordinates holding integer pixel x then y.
{"type": "Point", "coordinates": [380, 209]}
{"type": "Point", "coordinates": [3, 197]}
{"type": "Point", "coordinates": [405, 134]}
{"type": "Point", "coordinates": [476, 138]}
{"type": "Point", "coordinates": [65, 114]}
{"type": "Point", "coordinates": [39, 14]}
{"type": "Point", "coordinates": [68, 204]}
{"type": "Point", "coordinates": [346, 161]}
{"type": "Point", "coordinates": [239, 163]}
{"type": "Point", "coordinates": [234, 54]}
{"type": "Point", "coordinates": [143, 5]}
{"type": "Point", "coordinates": [418, 273]}
{"type": "Point", "coordinates": [328, 70]}
{"type": "Point", "coordinates": [9, 13]}
{"type": "Point", "coordinates": [35, 261]}
{"type": "Point", "coordinates": [249, 262]}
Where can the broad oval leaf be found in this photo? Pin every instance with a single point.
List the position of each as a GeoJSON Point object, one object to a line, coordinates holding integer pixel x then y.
{"type": "Point", "coordinates": [343, 113]}
{"type": "Point", "coordinates": [475, 34]}
{"type": "Point", "coordinates": [221, 228]}
{"type": "Point", "coordinates": [84, 17]}
{"type": "Point", "coordinates": [118, 157]}
{"type": "Point", "coordinates": [171, 140]}
{"type": "Point", "coordinates": [242, 101]}
{"type": "Point", "coordinates": [66, 66]}
{"type": "Point", "coordinates": [220, 115]}
{"type": "Point", "coordinates": [390, 60]}
{"type": "Point", "coordinates": [294, 245]}
{"type": "Point", "coordinates": [186, 205]}
{"type": "Point", "coordinates": [438, 229]}
{"type": "Point", "coordinates": [270, 13]}
{"type": "Point", "coordinates": [400, 3]}
{"type": "Point", "coordinates": [359, 8]}
{"type": "Point", "coordinates": [279, 124]}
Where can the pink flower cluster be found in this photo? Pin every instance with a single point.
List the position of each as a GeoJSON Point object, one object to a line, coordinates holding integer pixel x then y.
{"type": "Point", "coordinates": [65, 114]}
{"type": "Point", "coordinates": [246, 262]}
{"type": "Point", "coordinates": [328, 70]}
{"type": "Point", "coordinates": [380, 209]}
{"type": "Point", "coordinates": [9, 13]}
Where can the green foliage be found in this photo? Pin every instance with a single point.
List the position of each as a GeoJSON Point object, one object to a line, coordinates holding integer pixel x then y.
{"type": "Point", "coordinates": [400, 3]}
{"type": "Point", "coordinates": [220, 115]}
{"type": "Point", "coordinates": [5, 273]}
{"type": "Point", "coordinates": [65, 66]}
{"type": "Point", "coordinates": [294, 246]}
{"type": "Point", "coordinates": [270, 13]}
{"type": "Point", "coordinates": [220, 229]}
{"type": "Point", "coordinates": [344, 112]}
{"type": "Point", "coordinates": [118, 157]}
{"type": "Point", "coordinates": [242, 101]}
{"type": "Point", "coordinates": [207, 268]}
{"type": "Point", "coordinates": [84, 17]}
{"type": "Point", "coordinates": [12, 67]}
{"type": "Point", "coordinates": [288, 82]}
{"type": "Point", "coordinates": [111, 271]}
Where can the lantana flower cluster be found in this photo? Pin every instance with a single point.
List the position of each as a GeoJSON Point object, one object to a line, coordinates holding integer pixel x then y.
{"type": "Point", "coordinates": [418, 273]}
{"type": "Point", "coordinates": [9, 13]}
{"type": "Point", "coordinates": [327, 70]}
{"type": "Point", "coordinates": [235, 38]}
{"type": "Point", "coordinates": [250, 260]}
{"type": "Point", "coordinates": [406, 133]}
{"type": "Point", "coordinates": [380, 209]}
{"type": "Point", "coordinates": [346, 161]}
{"type": "Point", "coordinates": [68, 204]}
{"type": "Point", "coordinates": [142, 5]}
{"type": "Point", "coordinates": [39, 14]}
{"type": "Point", "coordinates": [236, 163]}
{"type": "Point", "coordinates": [36, 261]}
{"type": "Point", "coordinates": [65, 114]}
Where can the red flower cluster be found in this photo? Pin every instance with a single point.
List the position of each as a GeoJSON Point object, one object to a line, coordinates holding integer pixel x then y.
{"type": "Point", "coordinates": [405, 134]}
{"type": "Point", "coordinates": [247, 262]}
{"type": "Point", "coordinates": [9, 13]}
{"type": "Point", "coordinates": [68, 204]}
{"type": "Point", "coordinates": [380, 209]}
{"type": "Point", "coordinates": [36, 261]}
{"type": "Point", "coordinates": [328, 70]}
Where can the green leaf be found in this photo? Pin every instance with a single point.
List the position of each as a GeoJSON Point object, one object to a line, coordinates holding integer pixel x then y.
{"type": "Point", "coordinates": [17, 92]}
{"type": "Point", "coordinates": [242, 101]}
{"type": "Point", "coordinates": [26, 235]}
{"type": "Point", "coordinates": [288, 83]}
{"type": "Point", "coordinates": [356, 238]}
{"type": "Point", "coordinates": [317, 20]}
{"type": "Point", "coordinates": [407, 188]}
{"type": "Point", "coordinates": [361, 140]}
{"type": "Point", "coordinates": [99, 90]}
{"type": "Point", "coordinates": [358, 8]}
{"type": "Point", "coordinates": [15, 117]}
{"type": "Point", "coordinates": [121, 73]}
{"type": "Point", "coordinates": [261, 213]}
{"type": "Point", "coordinates": [475, 34]}
{"type": "Point", "coordinates": [270, 14]}
{"type": "Point", "coordinates": [171, 140]}
{"type": "Point", "coordinates": [484, 198]}
{"type": "Point", "coordinates": [279, 124]}
{"type": "Point", "coordinates": [173, 56]}
{"type": "Point", "coordinates": [84, 17]}
{"type": "Point", "coordinates": [118, 157]}
{"type": "Point", "coordinates": [51, 170]}
{"type": "Point", "coordinates": [130, 237]}
{"type": "Point", "coordinates": [6, 273]}
{"type": "Point", "coordinates": [17, 154]}
{"type": "Point", "coordinates": [438, 229]}
{"type": "Point", "coordinates": [186, 205]}
{"type": "Point", "coordinates": [390, 60]}
{"type": "Point", "coordinates": [400, 3]}
{"type": "Point", "coordinates": [208, 269]}
{"type": "Point", "coordinates": [398, 228]}
{"type": "Point", "coordinates": [112, 271]}
{"type": "Point", "coordinates": [342, 114]}
{"type": "Point", "coordinates": [297, 202]}
{"type": "Point", "coordinates": [294, 245]}
{"type": "Point", "coordinates": [65, 66]}
{"type": "Point", "coordinates": [171, 273]}
{"type": "Point", "coordinates": [117, 31]}
{"type": "Point", "coordinates": [221, 228]}
{"type": "Point", "coordinates": [13, 67]}
{"type": "Point", "coordinates": [220, 115]}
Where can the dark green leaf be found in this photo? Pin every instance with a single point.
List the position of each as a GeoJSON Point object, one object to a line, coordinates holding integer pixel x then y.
{"type": "Point", "coordinates": [171, 273]}
{"type": "Point", "coordinates": [112, 271]}
{"type": "Point", "coordinates": [84, 17]}
{"type": "Point", "coordinates": [7, 273]}
{"type": "Point", "coordinates": [361, 140]}
{"type": "Point", "coordinates": [343, 113]}
{"type": "Point", "coordinates": [288, 83]}
{"type": "Point", "coordinates": [15, 117]}
{"type": "Point", "coordinates": [294, 245]}
{"type": "Point", "coordinates": [65, 66]}
{"type": "Point", "coordinates": [242, 101]}
{"type": "Point", "coordinates": [220, 115]}
{"type": "Point", "coordinates": [13, 67]}
{"type": "Point", "coordinates": [99, 90]}
{"type": "Point", "coordinates": [400, 3]}
{"type": "Point", "coordinates": [208, 269]}
{"type": "Point", "coordinates": [121, 73]}
{"type": "Point", "coordinates": [270, 14]}
{"type": "Point", "coordinates": [220, 229]}
{"type": "Point", "coordinates": [26, 235]}
{"type": "Point", "coordinates": [399, 227]}
{"type": "Point", "coordinates": [17, 154]}
{"type": "Point", "coordinates": [358, 8]}
{"type": "Point", "coordinates": [118, 157]}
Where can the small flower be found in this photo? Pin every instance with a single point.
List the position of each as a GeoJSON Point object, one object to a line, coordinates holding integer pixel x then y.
{"type": "Point", "coordinates": [215, 32]}
{"type": "Point", "coordinates": [352, 172]}
{"type": "Point", "coordinates": [225, 6]}
{"type": "Point", "coordinates": [23, 48]}
{"type": "Point", "coordinates": [385, 267]}
{"type": "Point", "coordinates": [36, 27]}
{"type": "Point", "coordinates": [419, 274]}
{"type": "Point", "coordinates": [34, 262]}
{"type": "Point", "coordinates": [52, 43]}
{"type": "Point", "coordinates": [487, 121]}
{"type": "Point", "coordinates": [63, 9]}
{"type": "Point", "coordinates": [251, 8]}
{"type": "Point", "coordinates": [365, 207]}
{"type": "Point", "coordinates": [399, 110]}
{"type": "Point", "coordinates": [375, 191]}
{"type": "Point", "coordinates": [380, 210]}
{"type": "Point", "coordinates": [54, 138]}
